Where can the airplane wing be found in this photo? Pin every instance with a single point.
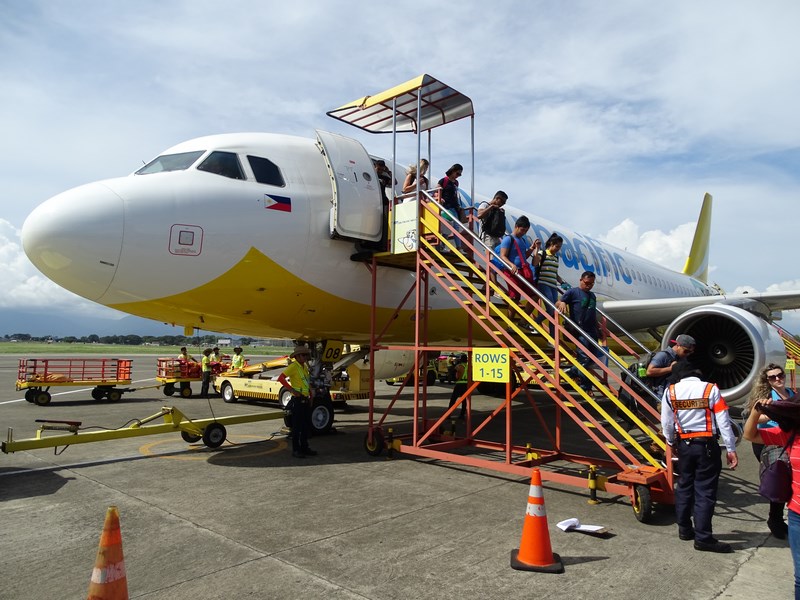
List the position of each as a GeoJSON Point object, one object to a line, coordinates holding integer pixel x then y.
{"type": "Point", "coordinates": [643, 314]}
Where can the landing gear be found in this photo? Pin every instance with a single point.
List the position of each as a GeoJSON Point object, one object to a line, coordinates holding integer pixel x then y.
{"type": "Point", "coordinates": [322, 416]}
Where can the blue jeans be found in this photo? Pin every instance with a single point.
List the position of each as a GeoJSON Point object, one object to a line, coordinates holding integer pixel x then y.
{"type": "Point", "coordinates": [551, 294]}
{"type": "Point", "coordinates": [794, 544]}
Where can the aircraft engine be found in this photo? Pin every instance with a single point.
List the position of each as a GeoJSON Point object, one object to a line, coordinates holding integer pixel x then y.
{"type": "Point", "coordinates": [389, 363]}
{"type": "Point", "coordinates": [733, 345]}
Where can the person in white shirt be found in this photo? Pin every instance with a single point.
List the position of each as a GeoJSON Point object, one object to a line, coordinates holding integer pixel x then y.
{"type": "Point", "coordinates": [693, 416]}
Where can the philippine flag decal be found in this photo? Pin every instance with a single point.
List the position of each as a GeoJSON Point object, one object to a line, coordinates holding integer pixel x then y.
{"type": "Point", "coordinates": [281, 203]}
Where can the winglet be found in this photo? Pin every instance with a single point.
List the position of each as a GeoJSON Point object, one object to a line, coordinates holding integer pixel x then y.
{"type": "Point", "coordinates": [697, 264]}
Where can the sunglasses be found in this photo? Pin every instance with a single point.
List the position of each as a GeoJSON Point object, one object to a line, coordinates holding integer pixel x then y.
{"type": "Point", "coordinates": [776, 377]}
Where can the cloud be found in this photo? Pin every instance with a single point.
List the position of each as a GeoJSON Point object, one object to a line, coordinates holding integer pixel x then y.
{"type": "Point", "coordinates": [25, 288]}
{"type": "Point", "coordinates": [668, 249]}
{"type": "Point", "coordinates": [606, 117]}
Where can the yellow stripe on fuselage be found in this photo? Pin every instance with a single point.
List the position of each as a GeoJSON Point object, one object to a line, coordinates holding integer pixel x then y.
{"type": "Point", "coordinates": [258, 297]}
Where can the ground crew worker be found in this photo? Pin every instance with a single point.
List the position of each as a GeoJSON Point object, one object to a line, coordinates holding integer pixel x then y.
{"type": "Point", "coordinates": [184, 355]}
{"type": "Point", "coordinates": [237, 362]}
{"type": "Point", "coordinates": [460, 387]}
{"type": "Point", "coordinates": [205, 366]}
{"type": "Point", "coordinates": [693, 415]}
{"type": "Point", "coordinates": [299, 384]}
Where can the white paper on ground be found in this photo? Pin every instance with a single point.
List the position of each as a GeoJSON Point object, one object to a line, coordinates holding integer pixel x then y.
{"type": "Point", "coordinates": [575, 525]}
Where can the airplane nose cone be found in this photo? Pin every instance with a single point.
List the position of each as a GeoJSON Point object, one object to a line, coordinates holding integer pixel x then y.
{"type": "Point", "coordinates": [75, 238]}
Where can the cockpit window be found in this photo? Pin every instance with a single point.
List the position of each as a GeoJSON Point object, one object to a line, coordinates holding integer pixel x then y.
{"type": "Point", "coordinates": [266, 171]}
{"type": "Point", "coordinates": [222, 163]}
{"type": "Point", "coordinates": [171, 162]}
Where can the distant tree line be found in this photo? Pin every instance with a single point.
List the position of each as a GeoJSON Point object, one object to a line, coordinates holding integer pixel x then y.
{"type": "Point", "coordinates": [138, 340]}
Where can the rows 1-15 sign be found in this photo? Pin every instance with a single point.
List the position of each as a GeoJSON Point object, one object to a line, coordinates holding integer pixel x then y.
{"type": "Point", "coordinates": [491, 365]}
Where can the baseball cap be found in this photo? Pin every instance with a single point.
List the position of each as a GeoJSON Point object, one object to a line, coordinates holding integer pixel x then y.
{"type": "Point", "coordinates": [684, 340]}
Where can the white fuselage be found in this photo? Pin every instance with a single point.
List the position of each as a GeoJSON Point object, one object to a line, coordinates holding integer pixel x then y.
{"type": "Point", "coordinates": [199, 249]}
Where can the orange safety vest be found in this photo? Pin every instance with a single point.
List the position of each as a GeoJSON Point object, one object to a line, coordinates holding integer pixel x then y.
{"type": "Point", "coordinates": [692, 403]}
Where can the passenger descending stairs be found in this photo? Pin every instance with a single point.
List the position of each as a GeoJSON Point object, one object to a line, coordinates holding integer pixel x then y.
{"type": "Point", "coordinates": [452, 254]}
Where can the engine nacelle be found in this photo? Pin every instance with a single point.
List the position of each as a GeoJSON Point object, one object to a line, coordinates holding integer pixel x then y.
{"type": "Point", "coordinates": [388, 363]}
{"type": "Point", "coordinates": [733, 345]}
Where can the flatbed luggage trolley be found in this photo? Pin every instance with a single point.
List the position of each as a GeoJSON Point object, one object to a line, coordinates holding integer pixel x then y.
{"type": "Point", "coordinates": [176, 371]}
{"type": "Point", "coordinates": [37, 375]}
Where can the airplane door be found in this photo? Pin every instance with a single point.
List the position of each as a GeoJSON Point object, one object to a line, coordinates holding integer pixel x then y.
{"type": "Point", "coordinates": [357, 211]}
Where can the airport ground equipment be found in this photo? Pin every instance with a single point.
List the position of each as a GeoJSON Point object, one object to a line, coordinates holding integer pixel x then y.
{"type": "Point", "coordinates": [332, 386]}
{"type": "Point", "coordinates": [212, 431]}
{"type": "Point", "coordinates": [172, 372]}
{"type": "Point", "coordinates": [545, 418]}
{"type": "Point", "coordinates": [37, 375]}
{"type": "Point", "coordinates": [431, 374]}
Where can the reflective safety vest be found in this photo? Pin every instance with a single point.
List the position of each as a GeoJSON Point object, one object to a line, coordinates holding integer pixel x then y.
{"type": "Point", "coordinates": [464, 374]}
{"type": "Point", "coordinates": [693, 404]}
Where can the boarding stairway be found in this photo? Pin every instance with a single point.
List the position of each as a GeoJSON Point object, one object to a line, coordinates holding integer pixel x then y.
{"type": "Point", "coordinates": [792, 353]}
{"type": "Point", "coordinates": [626, 452]}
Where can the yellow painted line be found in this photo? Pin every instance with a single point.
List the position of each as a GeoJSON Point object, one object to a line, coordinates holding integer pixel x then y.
{"type": "Point", "coordinates": [195, 449]}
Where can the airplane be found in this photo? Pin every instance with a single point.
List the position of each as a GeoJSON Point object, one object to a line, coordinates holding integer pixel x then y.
{"type": "Point", "coordinates": [252, 234]}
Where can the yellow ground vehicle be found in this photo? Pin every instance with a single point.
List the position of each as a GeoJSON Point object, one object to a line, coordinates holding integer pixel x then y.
{"type": "Point", "coordinates": [431, 374]}
{"type": "Point", "coordinates": [257, 383]}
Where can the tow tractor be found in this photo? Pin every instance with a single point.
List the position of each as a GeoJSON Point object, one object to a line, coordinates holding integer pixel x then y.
{"type": "Point", "coordinates": [334, 382]}
{"type": "Point", "coordinates": [37, 375]}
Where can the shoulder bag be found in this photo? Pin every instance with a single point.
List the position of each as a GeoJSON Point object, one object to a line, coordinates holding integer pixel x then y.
{"type": "Point", "coordinates": [776, 479]}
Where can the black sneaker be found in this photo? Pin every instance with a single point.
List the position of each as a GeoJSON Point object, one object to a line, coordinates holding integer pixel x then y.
{"type": "Point", "coordinates": [713, 546]}
{"type": "Point", "coordinates": [309, 452]}
{"type": "Point", "coordinates": [779, 529]}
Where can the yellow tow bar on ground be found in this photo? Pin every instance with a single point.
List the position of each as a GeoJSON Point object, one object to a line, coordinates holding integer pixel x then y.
{"type": "Point", "coordinates": [212, 431]}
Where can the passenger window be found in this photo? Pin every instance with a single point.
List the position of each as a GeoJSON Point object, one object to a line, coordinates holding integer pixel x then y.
{"type": "Point", "coordinates": [266, 171]}
{"type": "Point", "coordinates": [222, 163]}
{"type": "Point", "coordinates": [171, 162]}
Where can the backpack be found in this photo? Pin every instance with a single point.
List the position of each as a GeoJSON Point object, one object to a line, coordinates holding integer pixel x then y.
{"type": "Point", "coordinates": [537, 270]}
{"type": "Point", "coordinates": [494, 223]}
{"type": "Point", "coordinates": [635, 377]}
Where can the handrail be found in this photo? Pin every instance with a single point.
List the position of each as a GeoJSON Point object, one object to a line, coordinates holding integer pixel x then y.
{"type": "Point", "coordinates": [455, 225]}
{"type": "Point", "coordinates": [541, 296]}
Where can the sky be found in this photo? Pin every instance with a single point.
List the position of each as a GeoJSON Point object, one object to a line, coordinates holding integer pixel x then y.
{"type": "Point", "coordinates": [613, 118]}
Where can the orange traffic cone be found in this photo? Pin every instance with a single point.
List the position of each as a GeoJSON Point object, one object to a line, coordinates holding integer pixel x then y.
{"type": "Point", "coordinates": [534, 552]}
{"type": "Point", "coordinates": [109, 581]}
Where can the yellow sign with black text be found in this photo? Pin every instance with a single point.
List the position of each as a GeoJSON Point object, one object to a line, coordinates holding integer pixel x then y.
{"type": "Point", "coordinates": [491, 364]}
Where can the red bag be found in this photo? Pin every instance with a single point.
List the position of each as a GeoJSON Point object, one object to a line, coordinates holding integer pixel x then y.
{"type": "Point", "coordinates": [525, 272]}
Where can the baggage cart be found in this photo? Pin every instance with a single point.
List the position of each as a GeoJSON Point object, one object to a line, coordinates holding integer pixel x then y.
{"type": "Point", "coordinates": [37, 375]}
{"type": "Point", "coordinates": [178, 374]}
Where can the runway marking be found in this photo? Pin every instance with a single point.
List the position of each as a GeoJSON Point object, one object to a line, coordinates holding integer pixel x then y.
{"type": "Point", "coordinates": [147, 449]}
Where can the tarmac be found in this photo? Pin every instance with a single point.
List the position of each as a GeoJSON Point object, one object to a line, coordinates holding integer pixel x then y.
{"type": "Point", "coordinates": [247, 520]}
